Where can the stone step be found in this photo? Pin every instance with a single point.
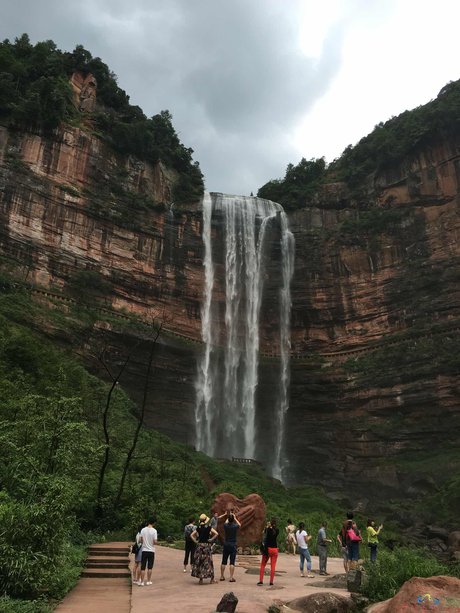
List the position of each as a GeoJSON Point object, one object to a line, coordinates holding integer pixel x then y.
{"type": "Point", "coordinates": [113, 553]}
{"type": "Point", "coordinates": [104, 573]}
{"type": "Point", "coordinates": [106, 564]}
{"type": "Point", "coordinates": [124, 549]}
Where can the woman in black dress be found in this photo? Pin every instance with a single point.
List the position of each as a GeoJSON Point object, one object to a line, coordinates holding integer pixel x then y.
{"type": "Point", "coordinates": [204, 536]}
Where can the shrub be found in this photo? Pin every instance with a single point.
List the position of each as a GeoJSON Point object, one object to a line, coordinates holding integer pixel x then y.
{"type": "Point", "coordinates": [393, 568]}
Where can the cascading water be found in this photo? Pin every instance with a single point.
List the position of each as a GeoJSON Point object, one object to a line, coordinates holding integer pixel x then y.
{"type": "Point", "coordinates": [228, 372]}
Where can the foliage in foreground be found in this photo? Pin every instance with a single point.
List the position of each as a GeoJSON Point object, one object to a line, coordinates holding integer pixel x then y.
{"type": "Point", "coordinates": [52, 487]}
{"type": "Point", "coordinates": [393, 568]}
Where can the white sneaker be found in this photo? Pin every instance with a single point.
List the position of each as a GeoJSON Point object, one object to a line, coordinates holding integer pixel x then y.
{"type": "Point", "coordinates": [149, 583]}
{"type": "Point", "coordinates": [185, 570]}
{"type": "Point", "coordinates": [141, 583]}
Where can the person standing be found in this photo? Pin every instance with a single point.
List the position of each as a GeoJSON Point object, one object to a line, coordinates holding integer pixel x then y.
{"type": "Point", "coordinates": [203, 536]}
{"type": "Point", "coordinates": [215, 520]}
{"type": "Point", "coordinates": [290, 537]}
{"type": "Point", "coordinates": [372, 538]}
{"type": "Point", "coordinates": [302, 539]}
{"type": "Point", "coordinates": [149, 537]}
{"type": "Point", "coordinates": [270, 540]}
{"type": "Point", "coordinates": [342, 538]}
{"type": "Point", "coordinates": [353, 541]}
{"type": "Point", "coordinates": [321, 545]}
{"type": "Point", "coordinates": [138, 557]}
{"type": "Point", "coordinates": [231, 527]}
{"type": "Point", "coordinates": [190, 545]}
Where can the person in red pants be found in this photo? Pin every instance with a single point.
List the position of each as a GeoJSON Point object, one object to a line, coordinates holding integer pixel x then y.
{"type": "Point", "coordinates": [271, 550]}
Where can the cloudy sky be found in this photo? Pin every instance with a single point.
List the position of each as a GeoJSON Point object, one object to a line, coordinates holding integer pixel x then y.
{"type": "Point", "coordinates": [256, 84]}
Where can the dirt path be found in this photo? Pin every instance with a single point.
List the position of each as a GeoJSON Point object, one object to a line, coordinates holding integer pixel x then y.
{"type": "Point", "coordinates": [174, 591]}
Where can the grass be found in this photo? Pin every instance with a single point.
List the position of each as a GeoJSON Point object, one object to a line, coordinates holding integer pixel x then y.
{"type": "Point", "coordinates": [393, 568]}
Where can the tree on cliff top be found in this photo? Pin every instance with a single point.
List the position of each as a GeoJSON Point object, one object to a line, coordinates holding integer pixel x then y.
{"type": "Point", "coordinates": [35, 93]}
{"type": "Point", "coordinates": [388, 144]}
{"type": "Point", "coordinates": [300, 182]}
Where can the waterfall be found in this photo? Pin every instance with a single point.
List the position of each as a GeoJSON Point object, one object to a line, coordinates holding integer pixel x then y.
{"type": "Point", "coordinates": [228, 371]}
{"type": "Point", "coordinates": [287, 263]}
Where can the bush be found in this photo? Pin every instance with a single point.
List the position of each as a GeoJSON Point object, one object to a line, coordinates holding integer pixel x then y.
{"type": "Point", "coordinates": [393, 568]}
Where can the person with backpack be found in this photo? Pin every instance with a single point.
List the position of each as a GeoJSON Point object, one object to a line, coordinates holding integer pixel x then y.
{"type": "Point", "coordinates": [353, 541]}
{"type": "Point", "coordinates": [190, 544]}
{"type": "Point", "coordinates": [136, 549]}
{"type": "Point", "coordinates": [342, 538]}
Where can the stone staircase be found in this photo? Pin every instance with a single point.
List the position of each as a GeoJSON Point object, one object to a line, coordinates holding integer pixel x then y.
{"type": "Point", "coordinates": [107, 562]}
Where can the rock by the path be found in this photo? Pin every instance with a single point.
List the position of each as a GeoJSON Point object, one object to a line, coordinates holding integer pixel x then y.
{"type": "Point", "coordinates": [322, 602]}
{"type": "Point", "coordinates": [437, 593]}
{"type": "Point", "coordinates": [227, 603]}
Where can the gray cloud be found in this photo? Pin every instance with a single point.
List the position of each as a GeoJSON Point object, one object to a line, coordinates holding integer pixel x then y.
{"type": "Point", "coordinates": [231, 73]}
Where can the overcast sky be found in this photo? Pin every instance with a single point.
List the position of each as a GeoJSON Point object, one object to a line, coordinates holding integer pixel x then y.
{"type": "Point", "coordinates": [256, 84]}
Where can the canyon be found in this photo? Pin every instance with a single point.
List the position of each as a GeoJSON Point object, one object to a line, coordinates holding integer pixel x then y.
{"type": "Point", "coordinates": [375, 350]}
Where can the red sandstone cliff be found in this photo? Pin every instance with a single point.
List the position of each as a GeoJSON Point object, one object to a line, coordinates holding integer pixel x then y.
{"type": "Point", "coordinates": [383, 281]}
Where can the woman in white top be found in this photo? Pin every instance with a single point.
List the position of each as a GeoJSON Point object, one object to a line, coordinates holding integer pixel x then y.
{"type": "Point", "coordinates": [302, 539]}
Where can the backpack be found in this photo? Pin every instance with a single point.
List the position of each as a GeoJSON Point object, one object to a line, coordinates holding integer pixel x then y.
{"type": "Point", "coordinates": [135, 547]}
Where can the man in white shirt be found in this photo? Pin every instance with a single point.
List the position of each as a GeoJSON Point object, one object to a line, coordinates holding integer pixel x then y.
{"type": "Point", "coordinates": [149, 537]}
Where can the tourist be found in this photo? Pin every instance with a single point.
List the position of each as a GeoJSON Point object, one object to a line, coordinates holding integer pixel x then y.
{"type": "Point", "coordinates": [342, 538]}
{"type": "Point", "coordinates": [149, 537]}
{"type": "Point", "coordinates": [353, 541]}
{"type": "Point", "coordinates": [321, 545]}
{"type": "Point", "coordinates": [138, 557]}
{"type": "Point", "coordinates": [372, 538]}
{"type": "Point", "coordinates": [231, 527]}
{"type": "Point", "coordinates": [302, 539]}
{"type": "Point", "coordinates": [271, 550]}
{"type": "Point", "coordinates": [215, 520]}
{"type": "Point", "coordinates": [290, 537]}
{"type": "Point", "coordinates": [190, 544]}
{"type": "Point", "coordinates": [203, 536]}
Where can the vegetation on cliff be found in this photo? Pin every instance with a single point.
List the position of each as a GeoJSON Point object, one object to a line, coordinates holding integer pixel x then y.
{"type": "Point", "coordinates": [388, 144]}
{"type": "Point", "coordinates": [35, 93]}
{"type": "Point", "coordinates": [61, 428]}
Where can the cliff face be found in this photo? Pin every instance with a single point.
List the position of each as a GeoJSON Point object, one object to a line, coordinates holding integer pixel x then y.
{"type": "Point", "coordinates": [70, 205]}
{"type": "Point", "coordinates": [376, 293]}
{"type": "Point", "coordinates": [376, 300]}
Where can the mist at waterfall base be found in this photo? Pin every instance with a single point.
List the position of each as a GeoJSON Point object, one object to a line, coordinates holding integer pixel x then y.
{"type": "Point", "coordinates": [248, 267]}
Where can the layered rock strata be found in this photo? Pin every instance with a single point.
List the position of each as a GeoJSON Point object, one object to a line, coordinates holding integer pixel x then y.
{"type": "Point", "coordinates": [376, 300]}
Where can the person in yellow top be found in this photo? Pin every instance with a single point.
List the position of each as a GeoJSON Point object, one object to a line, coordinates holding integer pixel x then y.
{"type": "Point", "coordinates": [372, 538]}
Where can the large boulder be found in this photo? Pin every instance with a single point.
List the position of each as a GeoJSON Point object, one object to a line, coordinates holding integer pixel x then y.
{"type": "Point", "coordinates": [423, 593]}
{"type": "Point", "coordinates": [250, 511]}
{"type": "Point", "coordinates": [322, 602]}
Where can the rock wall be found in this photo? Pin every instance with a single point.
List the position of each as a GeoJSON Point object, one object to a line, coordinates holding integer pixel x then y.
{"type": "Point", "coordinates": [376, 299]}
